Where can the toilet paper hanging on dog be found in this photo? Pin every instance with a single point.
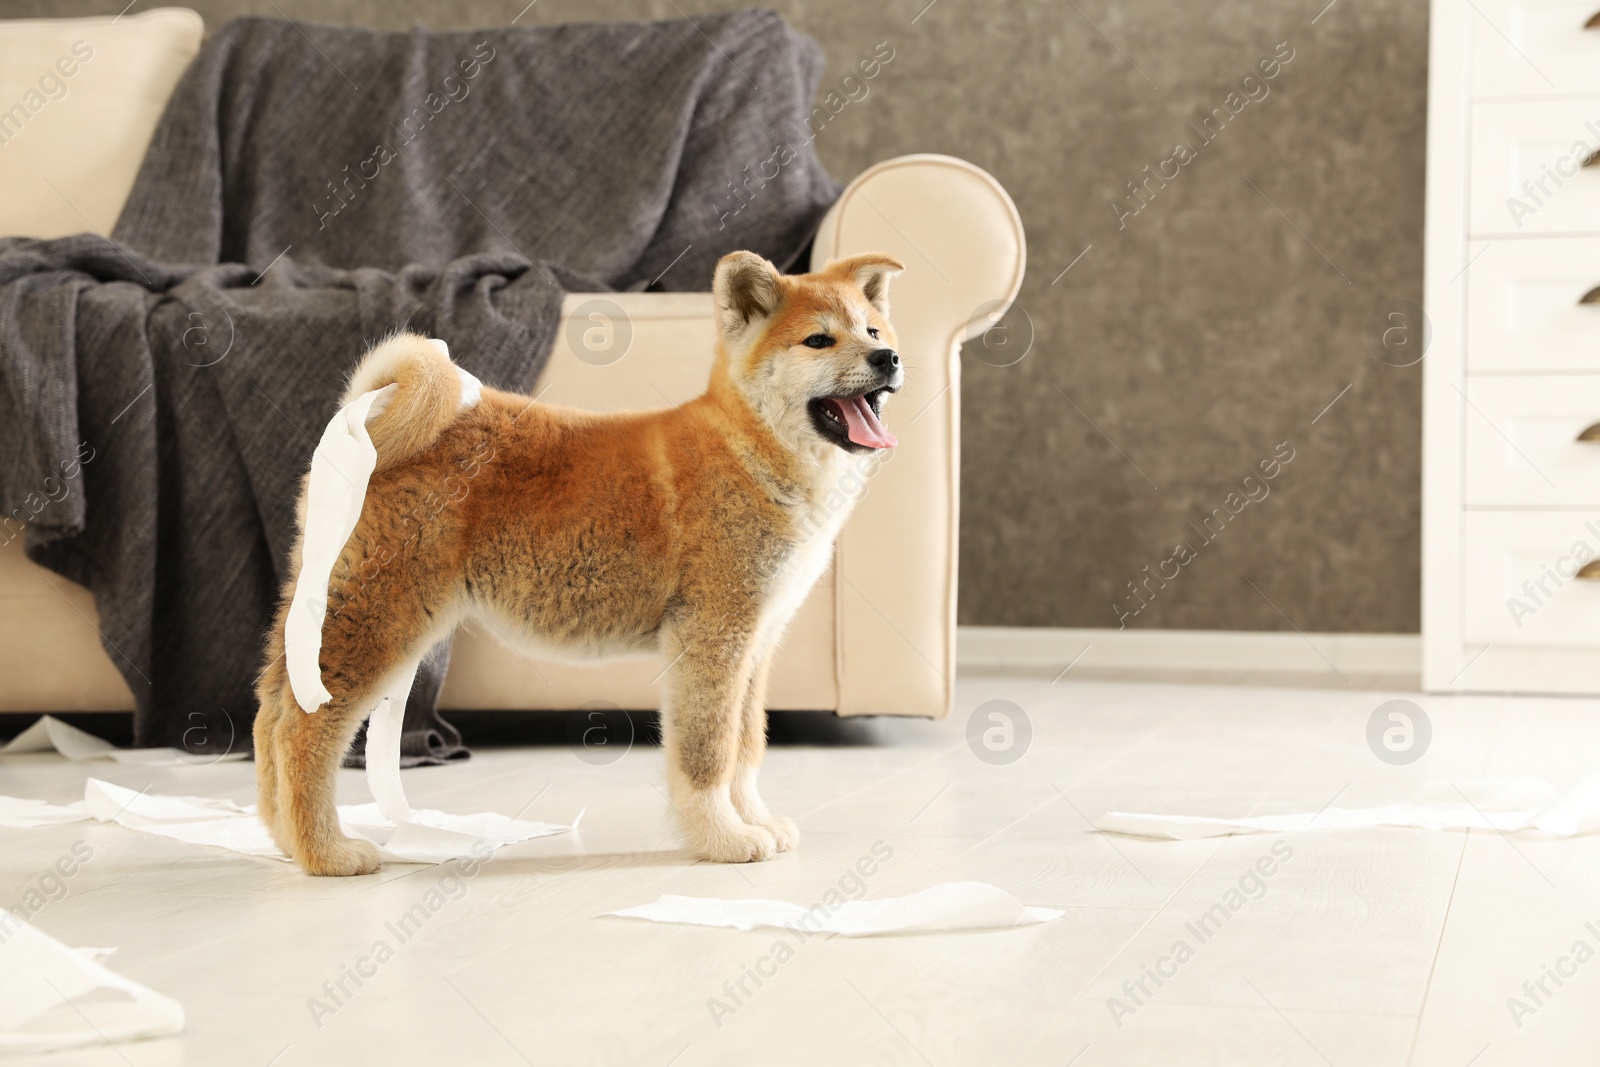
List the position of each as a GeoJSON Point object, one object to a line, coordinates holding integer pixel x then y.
{"type": "Point", "coordinates": [336, 490]}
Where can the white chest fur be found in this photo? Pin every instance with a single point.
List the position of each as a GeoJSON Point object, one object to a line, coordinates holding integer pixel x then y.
{"type": "Point", "coordinates": [820, 523]}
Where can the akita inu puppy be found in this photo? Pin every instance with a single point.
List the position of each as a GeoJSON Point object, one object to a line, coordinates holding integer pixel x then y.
{"type": "Point", "coordinates": [690, 531]}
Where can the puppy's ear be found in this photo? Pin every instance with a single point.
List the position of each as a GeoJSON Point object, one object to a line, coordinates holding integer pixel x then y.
{"type": "Point", "coordinates": [871, 271]}
{"type": "Point", "coordinates": [746, 290]}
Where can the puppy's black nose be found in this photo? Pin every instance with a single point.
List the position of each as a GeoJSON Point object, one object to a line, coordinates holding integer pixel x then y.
{"type": "Point", "coordinates": [884, 360]}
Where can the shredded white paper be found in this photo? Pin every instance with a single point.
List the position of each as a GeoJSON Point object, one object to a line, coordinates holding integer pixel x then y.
{"type": "Point", "coordinates": [1507, 805]}
{"type": "Point", "coordinates": [49, 733]}
{"type": "Point", "coordinates": [433, 837]}
{"type": "Point", "coordinates": [45, 998]}
{"type": "Point", "coordinates": [429, 836]}
{"type": "Point", "coordinates": [947, 907]}
{"type": "Point", "coordinates": [21, 813]}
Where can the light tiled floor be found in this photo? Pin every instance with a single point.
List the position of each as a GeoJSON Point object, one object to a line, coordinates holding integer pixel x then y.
{"type": "Point", "coordinates": [1362, 948]}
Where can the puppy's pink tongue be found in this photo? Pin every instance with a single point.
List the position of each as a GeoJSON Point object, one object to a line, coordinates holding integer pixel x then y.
{"type": "Point", "coordinates": [863, 425]}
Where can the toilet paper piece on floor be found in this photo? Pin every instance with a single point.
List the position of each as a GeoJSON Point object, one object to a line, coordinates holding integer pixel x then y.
{"type": "Point", "coordinates": [403, 834]}
{"type": "Point", "coordinates": [46, 1001]}
{"type": "Point", "coordinates": [1506, 805]}
{"type": "Point", "coordinates": [951, 906]}
{"type": "Point", "coordinates": [21, 813]}
{"type": "Point", "coordinates": [49, 733]}
{"type": "Point", "coordinates": [433, 836]}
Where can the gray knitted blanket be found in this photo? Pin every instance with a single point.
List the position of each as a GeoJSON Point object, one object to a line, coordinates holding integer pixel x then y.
{"type": "Point", "coordinates": [310, 189]}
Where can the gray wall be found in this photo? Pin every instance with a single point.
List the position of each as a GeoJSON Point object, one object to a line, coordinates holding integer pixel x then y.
{"type": "Point", "coordinates": [1194, 337]}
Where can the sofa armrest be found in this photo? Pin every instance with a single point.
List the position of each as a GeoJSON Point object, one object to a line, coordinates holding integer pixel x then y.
{"type": "Point", "coordinates": [961, 239]}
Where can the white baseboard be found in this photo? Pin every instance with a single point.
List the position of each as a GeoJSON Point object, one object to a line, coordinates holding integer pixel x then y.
{"type": "Point", "coordinates": [1045, 648]}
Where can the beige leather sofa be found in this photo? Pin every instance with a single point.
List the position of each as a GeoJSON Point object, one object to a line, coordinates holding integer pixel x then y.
{"type": "Point", "coordinates": [876, 637]}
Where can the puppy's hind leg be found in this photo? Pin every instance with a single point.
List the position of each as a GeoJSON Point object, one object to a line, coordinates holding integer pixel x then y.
{"type": "Point", "coordinates": [307, 750]}
{"type": "Point", "coordinates": [700, 733]}
{"type": "Point", "coordinates": [752, 749]}
{"type": "Point", "coordinates": [364, 647]}
{"type": "Point", "coordinates": [273, 700]}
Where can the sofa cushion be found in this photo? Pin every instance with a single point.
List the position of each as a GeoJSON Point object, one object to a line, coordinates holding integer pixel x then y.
{"type": "Point", "coordinates": [79, 100]}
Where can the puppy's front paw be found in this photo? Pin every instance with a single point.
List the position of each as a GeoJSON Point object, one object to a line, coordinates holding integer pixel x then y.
{"type": "Point", "coordinates": [342, 859]}
{"type": "Point", "coordinates": [739, 844]}
{"type": "Point", "coordinates": [783, 831]}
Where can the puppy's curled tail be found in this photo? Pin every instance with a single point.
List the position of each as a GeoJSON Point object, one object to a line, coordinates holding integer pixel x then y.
{"type": "Point", "coordinates": [426, 403]}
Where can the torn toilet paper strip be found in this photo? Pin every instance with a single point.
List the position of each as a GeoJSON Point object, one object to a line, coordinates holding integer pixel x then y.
{"type": "Point", "coordinates": [427, 837]}
{"type": "Point", "coordinates": [1491, 804]}
{"type": "Point", "coordinates": [336, 490]}
{"type": "Point", "coordinates": [21, 813]}
{"type": "Point", "coordinates": [951, 906]}
{"type": "Point", "coordinates": [47, 996]}
{"type": "Point", "coordinates": [49, 733]}
{"type": "Point", "coordinates": [431, 836]}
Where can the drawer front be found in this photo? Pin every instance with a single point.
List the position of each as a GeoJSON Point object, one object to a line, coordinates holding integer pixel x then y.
{"type": "Point", "coordinates": [1522, 441]}
{"type": "Point", "coordinates": [1518, 146]}
{"type": "Point", "coordinates": [1523, 309]}
{"type": "Point", "coordinates": [1534, 48]}
{"type": "Point", "coordinates": [1520, 584]}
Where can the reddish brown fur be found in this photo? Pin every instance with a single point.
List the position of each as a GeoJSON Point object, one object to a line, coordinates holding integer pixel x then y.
{"type": "Point", "coordinates": [680, 530]}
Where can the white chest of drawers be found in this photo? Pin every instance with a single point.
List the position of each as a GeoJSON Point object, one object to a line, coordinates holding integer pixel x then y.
{"type": "Point", "coordinates": [1511, 496]}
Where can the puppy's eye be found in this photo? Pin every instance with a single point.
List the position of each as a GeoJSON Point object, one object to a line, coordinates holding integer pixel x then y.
{"type": "Point", "coordinates": [818, 340]}
{"type": "Point", "coordinates": [872, 332]}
